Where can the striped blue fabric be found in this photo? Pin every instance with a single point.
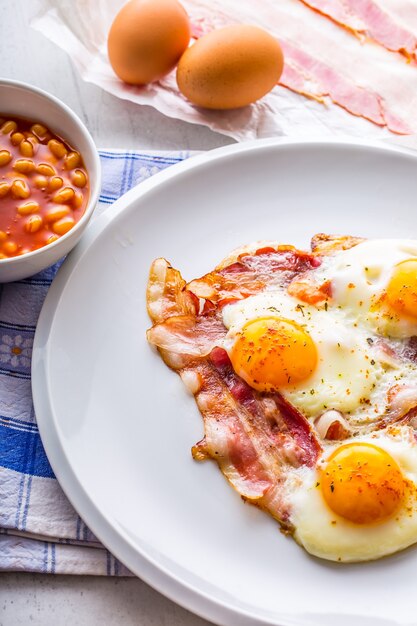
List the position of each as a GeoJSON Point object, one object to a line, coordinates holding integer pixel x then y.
{"type": "Point", "coordinates": [39, 529]}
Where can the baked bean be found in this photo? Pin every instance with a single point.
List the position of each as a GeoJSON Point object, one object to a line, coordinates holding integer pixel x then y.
{"type": "Point", "coordinates": [24, 166]}
{"type": "Point", "coordinates": [44, 186]}
{"type": "Point", "coordinates": [28, 208]}
{"type": "Point", "coordinates": [45, 169]}
{"type": "Point", "coordinates": [55, 183]}
{"type": "Point", "coordinates": [79, 178]}
{"type": "Point", "coordinates": [78, 200]}
{"type": "Point", "coordinates": [26, 148]}
{"type": "Point", "coordinates": [5, 157]}
{"type": "Point", "coordinates": [63, 225]}
{"type": "Point", "coordinates": [34, 142]}
{"type": "Point", "coordinates": [20, 189]}
{"type": "Point", "coordinates": [64, 195]}
{"type": "Point", "coordinates": [17, 138]}
{"type": "Point", "coordinates": [72, 160]}
{"type": "Point", "coordinates": [8, 127]}
{"type": "Point", "coordinates": [4, 189]}
{"type": "Point", "coordinates": [33, 223]}
{"type": "Point", "coordinates": [10, 247]}
{"type": "Point", "coordinates": [39, 130]}
{"type": "Point", "coordinates": [57, 148]}
{"type": "Point", "coordinates": [56, 213]}
{"type": "Point", "coordinates": [40, 182]}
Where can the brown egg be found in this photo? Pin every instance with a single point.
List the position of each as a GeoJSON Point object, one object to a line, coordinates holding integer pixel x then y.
{"type": "Point", "coordinates": [147, 38]}
{"type": "Point", "coordinates": [230, 67]}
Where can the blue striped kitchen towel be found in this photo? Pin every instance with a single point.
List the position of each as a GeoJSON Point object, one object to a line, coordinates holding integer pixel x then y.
{"type": "Point", "coordinates": [39, 529]}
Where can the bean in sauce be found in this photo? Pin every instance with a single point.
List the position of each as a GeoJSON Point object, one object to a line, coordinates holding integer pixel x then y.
{"type": "Point", "coordinates": [44, 186]}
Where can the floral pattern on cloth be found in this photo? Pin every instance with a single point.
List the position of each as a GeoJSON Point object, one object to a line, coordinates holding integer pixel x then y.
{"type": "Point", "coordinates": [16, 350]}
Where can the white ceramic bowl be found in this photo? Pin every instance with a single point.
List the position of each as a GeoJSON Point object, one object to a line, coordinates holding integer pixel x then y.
{"type": "Point", "coordinates": [22, 100]}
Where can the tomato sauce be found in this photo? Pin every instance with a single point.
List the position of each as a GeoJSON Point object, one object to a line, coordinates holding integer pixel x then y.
{"type": "Point", "coordinates": [44, 186]}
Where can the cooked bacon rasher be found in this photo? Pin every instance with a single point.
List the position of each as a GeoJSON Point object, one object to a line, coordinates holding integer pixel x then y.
{"type": "Point", "coordinates": [254, 437]}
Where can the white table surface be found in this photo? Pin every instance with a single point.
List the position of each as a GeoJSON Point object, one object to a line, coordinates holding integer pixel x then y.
{"type": "Point", "coordinates": [26, 55]}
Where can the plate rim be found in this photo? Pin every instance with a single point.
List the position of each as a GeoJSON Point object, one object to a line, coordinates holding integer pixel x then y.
{"type": "Point", "coordinates": [144, 566]}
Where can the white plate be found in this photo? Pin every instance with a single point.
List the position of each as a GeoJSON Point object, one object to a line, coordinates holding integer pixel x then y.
{"type": "Point", "coordinates": [118, 426]}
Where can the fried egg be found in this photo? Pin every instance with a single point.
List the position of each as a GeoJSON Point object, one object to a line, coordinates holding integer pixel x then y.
{"type": "Point", "coordinates": [317, 361]}
{"type": "Point", "coordinates": [360, 502]}
{"type": "Point", "coordinates": [376, 282]}
{"type": "Point", "coordinates": [333, 340]}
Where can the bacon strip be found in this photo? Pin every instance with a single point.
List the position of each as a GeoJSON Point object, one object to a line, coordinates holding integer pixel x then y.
{"type": "Point", "coordinates": [277, 421]}
{"type": "Point", "coordinates": [314, 79]}
{"type": "Point", "coordinates": [366, 18]}
{"type": "Point", "coordinates": [187, 334]}
{"type": "Point", "coordinates": [248, 446]}
{"type": "Point", "coordinates": [338, 10]}
{"type": "Point", "coordinates": [165, 294]}
{"type": "Point", "coordinates": [227, 437]}
{"type": "Point", "coordinates": [253, 438]}
{"type": "Point", "coordinates": [300, 430]}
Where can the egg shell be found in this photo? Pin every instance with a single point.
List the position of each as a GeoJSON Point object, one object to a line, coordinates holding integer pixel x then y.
{"type": "Point", "coordinates": [230, 67]}
{"type": "Point", "coordinates": [147, 38]}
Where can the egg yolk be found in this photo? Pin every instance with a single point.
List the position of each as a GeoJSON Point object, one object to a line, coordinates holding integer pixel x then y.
{"type": "Point", "coordinates": [362, 483]}
{"type": "Point", "coordinates": [271, 352]}
{"type": "Point", "coordinates": [402, 288]}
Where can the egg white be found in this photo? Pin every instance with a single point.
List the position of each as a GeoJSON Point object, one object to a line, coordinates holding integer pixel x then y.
{"type": "Point", "coordinates": [326, 535]}
{"type": "Point", "coordinates": [347, 374]}
{"type": "Point", "coordinates": [360, 276]}
{"type": "Point", "coordinates": [354, 375]}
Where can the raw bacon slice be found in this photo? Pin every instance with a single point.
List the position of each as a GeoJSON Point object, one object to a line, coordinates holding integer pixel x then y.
{"type": "Point", "coordinates": [307, 75]}
{"type": "Point", "coordinates": [339, 11]}
{"type": "Point", "coordinates": [365, 18]}
{"type": "Point", "coordinates": [254, 438]}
